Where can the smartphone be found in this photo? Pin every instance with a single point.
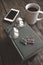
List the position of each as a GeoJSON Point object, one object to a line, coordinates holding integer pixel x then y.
{"type": "Point", "coordinates": [11, 15]}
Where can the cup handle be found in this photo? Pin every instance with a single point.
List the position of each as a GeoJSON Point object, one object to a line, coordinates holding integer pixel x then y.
{"type": "Point", "coordinates": [38, 19]}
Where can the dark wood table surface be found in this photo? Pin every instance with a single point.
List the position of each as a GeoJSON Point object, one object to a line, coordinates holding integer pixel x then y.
{"type": "Point", "coordinates": [8, 54]}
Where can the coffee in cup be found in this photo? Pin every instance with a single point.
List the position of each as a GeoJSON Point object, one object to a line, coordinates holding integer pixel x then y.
{"type": "Point", "coordinates": [32, 13]}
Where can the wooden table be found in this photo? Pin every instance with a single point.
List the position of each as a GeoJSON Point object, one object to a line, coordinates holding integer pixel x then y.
{"type": "Point", "coordinates": [8, 54]}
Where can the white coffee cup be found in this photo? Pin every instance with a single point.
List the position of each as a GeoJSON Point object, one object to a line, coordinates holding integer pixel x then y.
{"type": "Point", "coordinates": [32, 12]}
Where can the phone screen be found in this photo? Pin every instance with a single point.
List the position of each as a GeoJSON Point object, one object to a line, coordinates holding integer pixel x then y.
{"type": "Point", "coordinates": [12, 14]}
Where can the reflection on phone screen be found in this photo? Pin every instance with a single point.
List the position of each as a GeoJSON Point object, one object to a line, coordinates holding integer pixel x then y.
{"type": "Point", "coordinates": [12, 14]}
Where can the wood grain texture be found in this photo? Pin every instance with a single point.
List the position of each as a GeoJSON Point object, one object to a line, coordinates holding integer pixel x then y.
{"type": "Point", "coordinates": [1, 63]}
{"type": "Point", "coordinates": [7, 51]}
